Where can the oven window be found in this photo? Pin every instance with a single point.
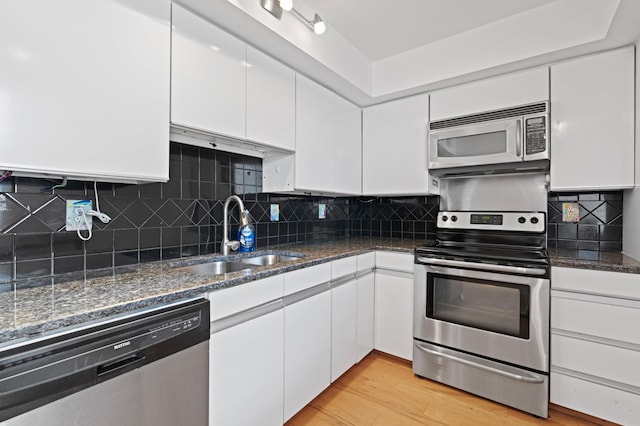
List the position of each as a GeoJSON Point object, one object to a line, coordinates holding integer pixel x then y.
{"type": "Point", "coordinates": [474, 145]}
{"type": "Point", "coordinates": [486, 305]}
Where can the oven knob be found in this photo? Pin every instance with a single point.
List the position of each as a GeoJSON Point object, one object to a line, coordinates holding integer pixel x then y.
{"type": "Point", "coordinates": [445, 218]}
{"type": "Point", "coordinates": [521, 219]}
{"type": "Point", "coordinates": [454, 218]}
{"type": "Point", "coordinates": [534, 220]}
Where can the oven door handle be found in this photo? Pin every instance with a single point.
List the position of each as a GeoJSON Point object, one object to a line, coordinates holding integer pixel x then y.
{"type": "Point", "coordinates": [482, 266]}
{"type": "Point", "coordinates": [521, 378]}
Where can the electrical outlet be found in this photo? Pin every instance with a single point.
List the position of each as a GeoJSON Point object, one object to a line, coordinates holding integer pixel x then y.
{"type": "Point", "coordinates": [78, 215]}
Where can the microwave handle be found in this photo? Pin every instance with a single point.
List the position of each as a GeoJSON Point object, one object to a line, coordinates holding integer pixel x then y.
{"type": "Point", "coordinates": [519, 138]}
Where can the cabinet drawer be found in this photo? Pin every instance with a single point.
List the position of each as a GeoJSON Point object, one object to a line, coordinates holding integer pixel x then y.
{"type": "Point", "coordinates": [342, 267]}
{"type": "Point", "coordinates": [366, 261]}
{"type": "Point", "coordinates": [595, 399]}
{"type": "Point", "coordinates": [597, 359]}
{"type": "Point", "coordinates": [394, 261]}
{"type": "Point", "coordinates": [306, 278]}
{"type": "Point", "coordinates": [236, 299]}
{"type": "Point", "coordinates": [605, 283]}
{"type": "Point", "coordinates": [596, 316]}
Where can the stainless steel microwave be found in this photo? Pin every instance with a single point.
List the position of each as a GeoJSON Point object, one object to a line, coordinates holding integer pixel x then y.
{"type": "Point", "coordinates": [510, 139]}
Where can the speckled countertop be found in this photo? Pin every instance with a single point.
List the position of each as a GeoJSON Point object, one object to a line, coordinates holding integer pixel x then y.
{"type": "Point", "coordinates": [33, 308]}
{"type": "Point", "coordinates": [602, 261]}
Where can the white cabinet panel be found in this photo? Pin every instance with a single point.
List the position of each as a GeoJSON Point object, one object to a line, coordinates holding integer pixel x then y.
{"type": "Point", "coordinates": [246, 384]}
{"type": "Point", "coordinates": [302, 279]}
{"type": "Point", "coordinates": [394, 314]}
{"type": "Point", "coordinates": [271, 101]}
{"type": "Point", "coordinates": [239, 298]}
{"type": "Point", "coordinates": [592, 122]}
{"type": "Point", "coordinates": [596, 318]}
{"type": "Point", "coordinates": [395, 261]}
{"type": "Point", "coordinates": [394, 147]}
{"type": "Point", "coordinates": [208, 76]}
{"type": "Point", "coordinates": [307, 354]}
{"type": "Point", "coordinates": [347, 151]}
{"type": "Point", "coordinates": [84, 88]}
{"type": "Point", "coordinates": [343, 327]}
{"type": "Point", "coordinates": [595, 399]}
{"type": "Point", "coordinates": [365, 315]}
{"type": "Point", "coordinates": [314, 157]}
{"type": "Point", "coordinates": [597, 359]}
{"type": "Point", "coordinates": [506, 91]}
{"type": "Point", "coordinates": [605, 283]}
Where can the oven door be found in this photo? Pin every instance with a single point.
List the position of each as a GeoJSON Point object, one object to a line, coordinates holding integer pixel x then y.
{"type": "Point", "coordinates": [494, 142]}
{"type": "Point", "coordinates": [495, 315]}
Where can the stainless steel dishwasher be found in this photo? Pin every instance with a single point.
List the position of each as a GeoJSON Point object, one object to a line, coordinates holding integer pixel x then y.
{"type": "Point", "coordinates": [148, 367]}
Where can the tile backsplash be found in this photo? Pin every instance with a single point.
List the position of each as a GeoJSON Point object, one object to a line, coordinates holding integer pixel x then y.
{"type": "Point", "coordinates": [183, 217]}
{"type": "Point", "coordinates": [599, 227]}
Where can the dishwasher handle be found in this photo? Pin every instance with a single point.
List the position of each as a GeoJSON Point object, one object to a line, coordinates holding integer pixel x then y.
{"type": "Point", "coordinates": [120, 366]}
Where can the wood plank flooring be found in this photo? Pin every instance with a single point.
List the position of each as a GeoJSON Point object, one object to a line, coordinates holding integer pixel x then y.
{"type": "Point", "coordinates": [383, 391]}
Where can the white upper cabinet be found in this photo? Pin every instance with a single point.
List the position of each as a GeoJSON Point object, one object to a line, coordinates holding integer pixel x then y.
{"type": "Point", "coordinates": [347, 151]}
{"type": "Point", "coordinates": [327, 157]}
{"type": "Point", "coordinates": [592, 122]}
{"type": "Point", "coordinates": [271, 101]}
{"type": "Point", "coordinates": [314, 158]}
{"type": "Point", "coordinates": [394, 147]}
{"type": "Point", "coordinates": [506, 91]}
{"type": "Point", "coordinates": [84, 88]}
{"type": "Point", "coordinates": [208, 76]}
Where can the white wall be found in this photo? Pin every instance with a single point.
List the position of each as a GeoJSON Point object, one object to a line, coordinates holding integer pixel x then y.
{"type": "Point", "coordinates": [631, 209]}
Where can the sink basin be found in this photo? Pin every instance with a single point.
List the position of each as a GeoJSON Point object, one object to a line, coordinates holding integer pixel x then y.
{"type": "Point", "coordinates": [216, 268]}
{"type": "Point", "coordinates": [268, 259]}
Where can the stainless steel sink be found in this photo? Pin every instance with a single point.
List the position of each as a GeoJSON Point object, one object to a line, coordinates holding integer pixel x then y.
{"type": "Point", "coordinates": [269, 259]}
{"type": "Point", "coordinates": [216, 268]}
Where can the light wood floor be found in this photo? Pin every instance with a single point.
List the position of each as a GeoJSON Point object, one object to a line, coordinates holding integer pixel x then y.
{"type": "Point", "coordinates": [382, 390]}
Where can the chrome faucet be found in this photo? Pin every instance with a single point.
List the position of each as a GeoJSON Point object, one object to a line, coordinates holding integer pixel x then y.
{"type": "Point", "coordinates": [226, 243]}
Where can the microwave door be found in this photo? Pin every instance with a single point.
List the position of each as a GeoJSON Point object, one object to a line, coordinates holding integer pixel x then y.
{"type": "Point", "coordinates": [478, 144]}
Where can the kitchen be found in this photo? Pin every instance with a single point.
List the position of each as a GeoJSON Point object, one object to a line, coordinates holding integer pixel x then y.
{"type": "Point", "coordinates": [286, 145]}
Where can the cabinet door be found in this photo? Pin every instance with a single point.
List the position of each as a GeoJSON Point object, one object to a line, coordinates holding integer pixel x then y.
{"type": "Point", "coordinates": [246, 384]}
{"type": "Point", "coordinates": [394, 147]}
{"type": "Point", "coordinates": [394, 313]}
{"type": "Point", "coordinates": [592, 122]}
{"type": "Point", "coordinates": [365, 315]}
{"type": "Point", "coordinates": [83, 88]}
{"type": "Point", "coordinates": [343, 328]}
{"type": "Point", "coordinates": [208, 76]}
{"type": "Point", "coordinates": [347, 172]}
{"type": "Point", "coordinates": [307, 351]}
{"type": "Point", "coordinates": [315, 153]}
{"type": "Point", "coordinates": [271, 101]}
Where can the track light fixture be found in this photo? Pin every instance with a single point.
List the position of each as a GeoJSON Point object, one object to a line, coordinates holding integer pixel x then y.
{"type": "Point", "coordinates": [275, 8]}
{"type": "Point", "coordinates": [317, 25]}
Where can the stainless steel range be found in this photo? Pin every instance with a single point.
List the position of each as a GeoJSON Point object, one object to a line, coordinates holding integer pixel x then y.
{"type": "Point", "coordinates": [481, 313]}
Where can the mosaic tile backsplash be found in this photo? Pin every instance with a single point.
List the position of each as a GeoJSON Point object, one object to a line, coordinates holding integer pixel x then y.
{"type": "Point", "coordinates": [184, 217]}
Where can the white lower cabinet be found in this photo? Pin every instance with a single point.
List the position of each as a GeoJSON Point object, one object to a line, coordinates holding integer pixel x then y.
{"type": "Point", "coordinates": [246, 382]}
{"type": "Point", "coordinates": [365, 304]}
{"type": "Point", "coordinates": [344, 302]}
{"type": "Point", "coordinates": [595, 345]}
{"type": "Point", "coordinates": [394, 304]}
{"type": "Point", "coordinates": [307, 330]}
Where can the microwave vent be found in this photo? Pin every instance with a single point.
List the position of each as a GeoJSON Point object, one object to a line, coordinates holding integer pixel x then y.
{"type": "Point", "coordinates": [489, 116]}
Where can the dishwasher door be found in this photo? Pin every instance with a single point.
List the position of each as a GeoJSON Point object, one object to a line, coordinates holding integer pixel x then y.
{"type": "Point", "coordinates": [149, 367]}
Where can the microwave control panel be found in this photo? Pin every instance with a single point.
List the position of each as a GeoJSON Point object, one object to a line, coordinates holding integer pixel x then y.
{"type": "Point", "coordinates": [536, 135]}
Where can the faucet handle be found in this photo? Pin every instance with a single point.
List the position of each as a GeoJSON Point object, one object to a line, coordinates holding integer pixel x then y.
{"type": "Point", "coordinates": [233, 245]}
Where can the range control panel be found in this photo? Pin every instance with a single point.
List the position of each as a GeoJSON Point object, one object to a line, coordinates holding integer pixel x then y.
{"type": "Point", "coordinates": [502, 221]}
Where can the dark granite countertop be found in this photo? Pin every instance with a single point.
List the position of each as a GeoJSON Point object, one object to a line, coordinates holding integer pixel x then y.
{"type": "Point", "coordinates": [601, 261]}
{"type": "Point", "coordinates": [33, 307]}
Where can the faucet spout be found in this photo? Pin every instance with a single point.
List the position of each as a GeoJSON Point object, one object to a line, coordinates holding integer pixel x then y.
{"type": "Point", "coordinates": [226, 243]}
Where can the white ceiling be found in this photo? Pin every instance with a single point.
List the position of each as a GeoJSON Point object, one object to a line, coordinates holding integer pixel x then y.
{"type": "Point", "coordinates": [380, 29]}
